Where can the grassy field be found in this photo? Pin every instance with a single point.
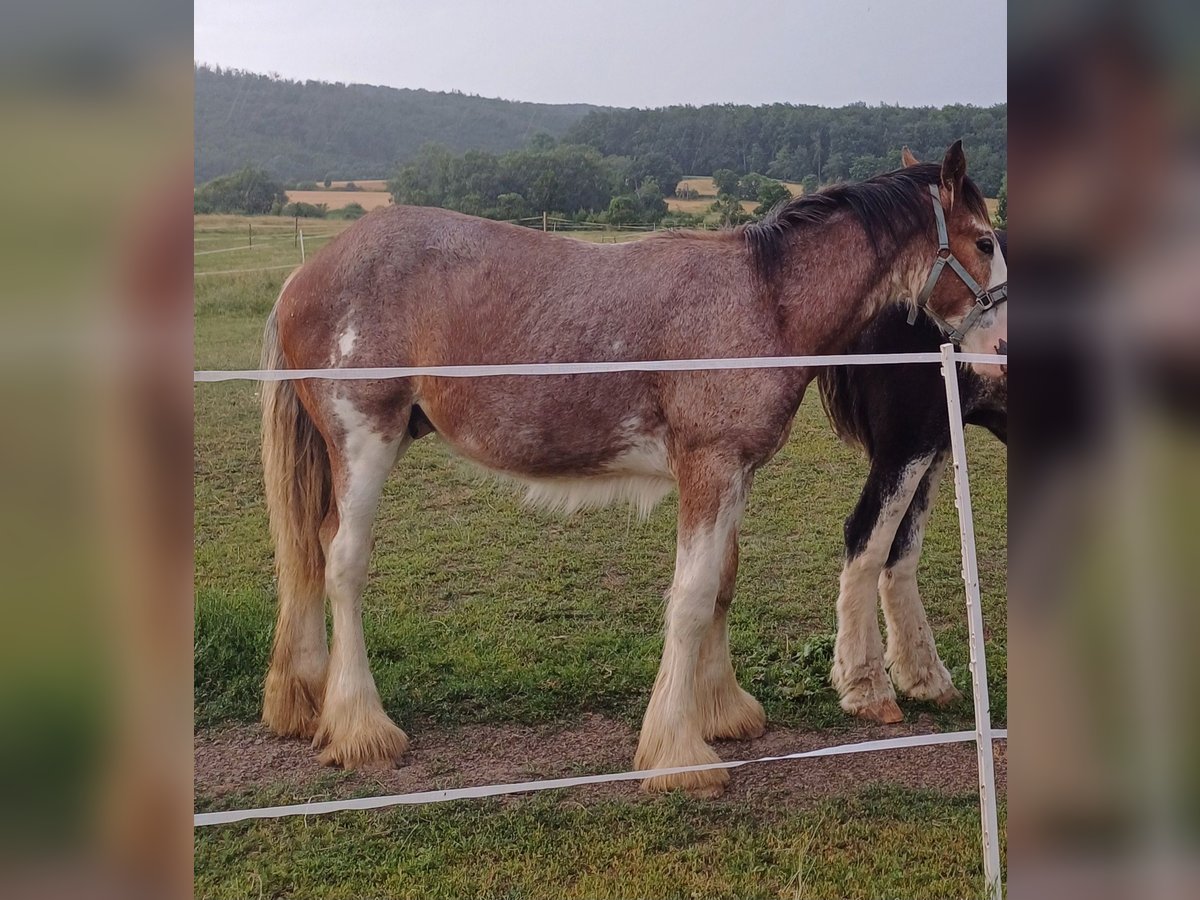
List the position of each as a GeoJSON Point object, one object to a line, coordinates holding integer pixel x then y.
{"type": "Point", "coordinates": [479, 610]}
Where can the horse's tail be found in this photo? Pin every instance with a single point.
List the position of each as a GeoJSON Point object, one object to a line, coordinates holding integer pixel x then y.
{"type": "Point", "coordinates": [298, 486]}
{"type": "Point", "coordinates": [840, 396]}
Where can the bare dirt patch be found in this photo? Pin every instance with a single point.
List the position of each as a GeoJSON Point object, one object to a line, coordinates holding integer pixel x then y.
{"type": "Point", "coordinates": [243, 758]}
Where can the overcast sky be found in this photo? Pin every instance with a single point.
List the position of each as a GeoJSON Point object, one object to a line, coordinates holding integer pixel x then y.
{"type": "Point", "coordinates": [627, 52]}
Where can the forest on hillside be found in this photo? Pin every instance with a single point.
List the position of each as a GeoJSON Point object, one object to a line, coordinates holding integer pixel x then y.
{"type": "Point", "coordinates": [791, 143]}
{"type": "Point", "coordinates": [313, 130]}
{"type": "Point", "coordinates": [301, 131]}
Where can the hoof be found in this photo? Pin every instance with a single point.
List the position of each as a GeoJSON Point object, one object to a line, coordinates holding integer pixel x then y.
{"type": "Point", "coordinates": [949, 696]}
{"type": "Point", "coordinates": [706, 785]}
{"type": "Point", "coordinates": [654, 754]}
{"type": "Point", "coordinates": [886, 712]}
{"type": "Point", "coordinates": [291, 706]}
{"type": "Point", "coordinates": [740, 720]}
{"type": "Point", "coordinates": [868, 696]}
{"type": "Point", "coordinates": [934, 687]}
{"type": "Point", "coordinates": [374, 741]}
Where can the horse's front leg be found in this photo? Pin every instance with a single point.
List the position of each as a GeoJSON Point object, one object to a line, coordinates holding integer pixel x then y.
{"type": "Point", "coordinates": [858, 662]}
{"type": "Point", "coordinates": [911, 656]}
{"type": "Point", "coordinates": [712, 498]}
{"type": "Point", "coordinates": [729, 711]}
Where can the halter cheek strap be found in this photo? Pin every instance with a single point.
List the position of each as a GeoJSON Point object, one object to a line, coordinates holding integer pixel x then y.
{"type": "Point", "coordinates": [985, 298]}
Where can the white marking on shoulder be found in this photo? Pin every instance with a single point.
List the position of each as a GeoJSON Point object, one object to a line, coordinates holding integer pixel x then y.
{"type": "Point", "coordinates": [346, 341]}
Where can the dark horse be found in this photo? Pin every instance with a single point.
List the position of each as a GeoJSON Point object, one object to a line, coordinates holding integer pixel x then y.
{"type": "Point", "coordinates": [897, 416]}
{"type": "Point", "coordinates": [427, 287]}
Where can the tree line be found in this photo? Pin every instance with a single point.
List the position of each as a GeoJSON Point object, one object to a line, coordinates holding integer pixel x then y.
{"type": "Point", "coordinates": [566, 179]}
{"type": "Point", "coordinates": [252, 191]}
{"type": "Point", "coordinates": [313, 131]}
{"type": "Point", "coordinates": [802, 143]}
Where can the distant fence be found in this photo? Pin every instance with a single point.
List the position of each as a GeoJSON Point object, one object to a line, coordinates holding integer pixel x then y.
{"type": "Point", "coordinates": [546, 222]}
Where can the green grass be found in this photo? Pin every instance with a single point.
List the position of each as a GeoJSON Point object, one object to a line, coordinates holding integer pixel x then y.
{"type": "Point", "coordinates": [881, 843]}
{"type": "Point", "coordinates": [481, 610]}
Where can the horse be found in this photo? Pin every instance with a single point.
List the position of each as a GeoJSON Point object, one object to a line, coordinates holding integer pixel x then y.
{"type": "Point", "coordinates": [897, 416]}
{"type": "Point", "coordinates": [424, 287]}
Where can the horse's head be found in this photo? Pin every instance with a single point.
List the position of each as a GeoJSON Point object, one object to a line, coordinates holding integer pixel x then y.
{"type": "Point", "coordinates": [964, 285]}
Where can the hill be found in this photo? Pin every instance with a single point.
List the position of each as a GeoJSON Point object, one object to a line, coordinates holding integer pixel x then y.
{"type": "Point", "coordinates": [313, 130]}
{"type": "Point", "coordinates": [791, 142]}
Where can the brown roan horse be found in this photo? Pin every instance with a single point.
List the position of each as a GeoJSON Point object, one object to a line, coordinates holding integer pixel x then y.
{"type": "Point", "coordinates": [421, 287]}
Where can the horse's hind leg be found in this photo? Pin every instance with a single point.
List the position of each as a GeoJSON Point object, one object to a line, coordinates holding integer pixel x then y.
{"type": "Point", "coordinates": [911, 655]}
{"type": "Point", "coordinates": [858, 665]}
{"type": "Point", "coordinates": [712, 498]}
{"type": "Point", "coordinates": [729, 711]}
{"type": "Point", "coordinates": [353, 729]}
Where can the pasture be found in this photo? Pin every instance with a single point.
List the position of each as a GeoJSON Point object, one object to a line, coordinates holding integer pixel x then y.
{"type": "Point", "coordinates": [512, 644]}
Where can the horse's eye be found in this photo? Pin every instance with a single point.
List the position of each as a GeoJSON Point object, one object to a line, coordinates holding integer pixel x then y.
{"type": "Point", "coordinates": [986, 246]}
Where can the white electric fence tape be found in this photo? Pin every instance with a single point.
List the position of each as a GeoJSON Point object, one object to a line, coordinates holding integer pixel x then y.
{"type": "Point", "coordinates": [983, 734]}
{"type": "Point", "coordinates": [521, 787]}
{"type": "Point", "coordinates": [586, 368]}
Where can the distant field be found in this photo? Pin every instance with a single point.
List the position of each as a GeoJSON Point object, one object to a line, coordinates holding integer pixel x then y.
{"type": "Point", "coordinates": [369, 184]}
{"type": "Point", "coordinates": [704, 184]}
{"type": "Point", "coordinates": [337, 199]}
{"type": "Point", "coordinates": [700, 206]}
{"type": "Point", "coordinates": [708, 193]}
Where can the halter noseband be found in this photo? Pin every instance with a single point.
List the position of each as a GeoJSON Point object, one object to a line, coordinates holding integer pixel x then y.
{"type": "Point", "coordinates": [985, 298]}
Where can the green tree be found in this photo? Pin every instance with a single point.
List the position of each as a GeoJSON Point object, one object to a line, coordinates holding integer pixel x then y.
{"type": "Point", "coordinates": [650, 201]}
{"type": "Point", "coordinates": [726, 181]}
{"type": "Point", "coordinates": [750, 184]}
{"type": "Point", "coordinates": [328, 182]}
{"type": "Point", "coordinates": [250, 192]}
{"type": "Point", "coordinates": [512, 206]}
{"type": "Point", "coordinates": [729, 210]}
{"type": "Point", "coordinates": [623, 210]}
{"type": "Point", "coordinates": [770, 195]}
{"type": "Point", "coordinates": [306, 210]}
{"type": "Point", "coordinates": [349, 211]}
{"type": "Point", "coordinates": [1000, 220]}
{"type": "Point", "coordinates": [809, 183]}
{"type": "Point", "coordinates": [865, 167]}
{"type": "Point", "coordinates": [656, 166]}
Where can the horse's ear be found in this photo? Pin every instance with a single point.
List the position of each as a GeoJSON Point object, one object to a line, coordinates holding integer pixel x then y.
{"type": "Point", "coordinates": [954, 170]}
{"type": "Point", "coordinates": [907, 158]}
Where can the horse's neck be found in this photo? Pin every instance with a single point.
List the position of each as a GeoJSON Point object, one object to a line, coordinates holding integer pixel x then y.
{"type": "Point", "coordinates": [833, 285]}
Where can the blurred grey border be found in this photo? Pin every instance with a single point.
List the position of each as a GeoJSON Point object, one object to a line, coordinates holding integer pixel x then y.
{"type": "Point", "coordinates": [95, 450]}
{"type": "Point", "coordinates": [1104, 482]}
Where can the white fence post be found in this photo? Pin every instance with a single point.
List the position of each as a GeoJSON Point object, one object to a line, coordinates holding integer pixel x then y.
{"type": "Point", "coordinates": [979, 686]}
{"type": "Point", "coordinates": [301, 246]}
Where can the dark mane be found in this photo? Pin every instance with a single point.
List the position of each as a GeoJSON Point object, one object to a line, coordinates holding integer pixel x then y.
{"type": "Point", "coordinates": [891, 207]}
